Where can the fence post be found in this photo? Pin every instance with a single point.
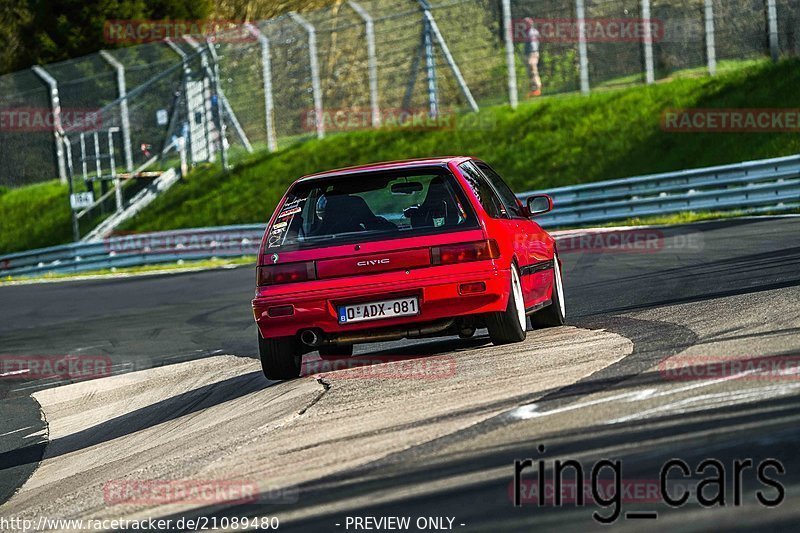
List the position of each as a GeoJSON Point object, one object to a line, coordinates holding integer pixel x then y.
{"type": "Point", "coordinates": [98, 171]}
{"type": "Point", "coordinates": [772, 19]}
{"type": "Point", "coordinates": [647, 39]}
{"type": "Point", "coordinates": [426, 9]}
{"type": "Point", "coordinates": [186, 73]}
{"type": "Point", "coordinates": [508, 30]}
{"type": "Point", "coordinates": [125, 122]}
{"type": "Point", "coordinates": [207, 76]}
{"type": "Point", "coordinates": [711, 50]}
{"type": "Point", "coordinates": [315, 83]}
{"type": "Point", "coordinates": [430, 69]}
{"type": "Point", "coordinates": [372, 61]}
{"type": "Point", "coordinates": [112, 164]}
{"type": "Point", "coordinates": [220, 108]}
{"type": "Point", "coordinates": [181, 146]}
{"type": "Point", "coordinates": [55, 107]}
{"type": "Point", "coordinates": [76, 231]}
{"type": "Point", "coordinates": [266, 71]}
{"type": "Point", "coordinates": [68, 154]}
{"type": "Point", "coordinates": [83, 156]}
{"type": "Point", "coordinates": [583, 52]}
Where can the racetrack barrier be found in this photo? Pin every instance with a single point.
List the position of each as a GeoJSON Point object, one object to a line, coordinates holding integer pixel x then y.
{"type": "Point", "coordinates": [769, 185]}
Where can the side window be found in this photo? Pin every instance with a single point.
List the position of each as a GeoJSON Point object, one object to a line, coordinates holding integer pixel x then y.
{"type": "Point", "coordinates": [506, 194]}
{"type": "Point", "coordinates": [486, 195]}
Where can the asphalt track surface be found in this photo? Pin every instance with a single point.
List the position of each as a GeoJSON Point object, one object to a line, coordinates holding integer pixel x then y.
{"type": "Point", "coordinates": [334, 446]}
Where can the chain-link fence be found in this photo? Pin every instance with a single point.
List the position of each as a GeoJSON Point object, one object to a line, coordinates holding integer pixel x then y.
{"type": "Point", "coordinates": [354, 65]}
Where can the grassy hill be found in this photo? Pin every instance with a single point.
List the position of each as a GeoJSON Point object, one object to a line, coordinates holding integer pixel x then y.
{"type": "Point", "coordinates": [545, 143]}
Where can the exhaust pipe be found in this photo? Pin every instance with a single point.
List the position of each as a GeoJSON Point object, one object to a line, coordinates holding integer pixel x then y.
{"type": "Point", "coordinates": [392, 335]}
{"type": "Point", "coordinates": [309, 337]}
{"type": "Point", "coordinates": [313, 339]}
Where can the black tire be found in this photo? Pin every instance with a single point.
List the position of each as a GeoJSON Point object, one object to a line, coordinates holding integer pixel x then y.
{"type": "Point", "coordinates": [281, 358]}
{"type": "Point", "coordinates": [335, 351]}
{"type": "Point", "coordinates": [505, 327]}
{"type": "Point", "coordinates": [553, 315]}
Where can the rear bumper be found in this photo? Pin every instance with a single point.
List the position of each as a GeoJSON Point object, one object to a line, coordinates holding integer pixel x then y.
{"type": "Point", "coordinates": [316, 303]}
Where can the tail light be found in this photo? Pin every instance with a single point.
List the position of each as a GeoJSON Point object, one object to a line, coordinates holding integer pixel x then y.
{"type": "Point", "coordinates": [287, 273]}
{"type": "Point", "coordinates": [463, 252]}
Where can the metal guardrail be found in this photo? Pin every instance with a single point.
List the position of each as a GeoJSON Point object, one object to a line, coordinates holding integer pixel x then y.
{"type": "Point", "coordinates": [136, 249]}
{"type": "Point", "coordinates": [767, 185]}
{"type": "Point", "coordinates": [755, 186]}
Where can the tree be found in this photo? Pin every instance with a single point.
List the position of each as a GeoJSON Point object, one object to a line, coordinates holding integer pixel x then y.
{"type": "Point", "coordinates": [44, 31]}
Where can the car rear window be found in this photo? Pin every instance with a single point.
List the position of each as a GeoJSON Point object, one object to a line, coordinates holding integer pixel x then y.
{"type": "Point", "coordinates": [374, 206]}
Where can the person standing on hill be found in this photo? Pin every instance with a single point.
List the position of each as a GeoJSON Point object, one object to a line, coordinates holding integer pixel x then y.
{"type": "Point", "coordinates": [532, 57]}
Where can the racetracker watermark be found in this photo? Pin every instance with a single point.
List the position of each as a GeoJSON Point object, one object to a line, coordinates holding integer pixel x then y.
{"type": "Point", "coordinates": [594, 30]}
{"type": "Point", "coordinates": [224, 243]}
{"type": "Point", "coordinates": [751, 120]}
{"type": "Point", "coordinates": [198, 492]}
{"type": "Point", "coordinates": [36, 119]}
{"type": "Point", "coordinates": [696, 368]}
{"type": "Point", "coordinates": [644, 240]}
{"type": "Point", "coordinates": [593, 493]}
{"type": "Point", "coordinates": [417, 119]}
{"type": "Point", "coordinates": [385, 367]}
{"type": "Point", "coordinates": [138, 31]}
{"type": "Point", "coordinates": [73, 367]}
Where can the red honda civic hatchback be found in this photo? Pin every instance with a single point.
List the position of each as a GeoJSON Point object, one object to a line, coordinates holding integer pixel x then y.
{"type": "Point", "coordinates": [406, 249]}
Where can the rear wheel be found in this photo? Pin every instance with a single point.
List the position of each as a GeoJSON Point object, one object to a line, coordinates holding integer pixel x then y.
{"type": "Point", "coordinates": [281, 358]}
{"type": "Point", "coordinates": [555, 313]}
{"type": "Point", "coordinates": [509, 326]}
{"type": "Point", "coordinates": [335, 351]}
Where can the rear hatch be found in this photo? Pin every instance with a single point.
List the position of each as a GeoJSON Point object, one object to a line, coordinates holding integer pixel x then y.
{"type": "Point", "coordinates": [370, 223]}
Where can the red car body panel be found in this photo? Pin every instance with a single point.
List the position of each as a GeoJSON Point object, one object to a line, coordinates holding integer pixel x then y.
{"type": "Point", "coordinates": [354, 273]}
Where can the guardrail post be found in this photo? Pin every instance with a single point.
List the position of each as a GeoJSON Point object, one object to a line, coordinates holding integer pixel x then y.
{"type": "Point", "coordinates": [315, 83]}
{"type": "Point", "coordinates": [583, 52]}
{"type": "Point", "coordinates": [266, 73]}
{"type": "Point", "coordinates": [772, 20]}
{"type": "Point", "coordinates": [125, 122]}
{"type": "Point", "coordinates": [372, 61]}
{"type": "Point", "coordinates": [711, 51]}
{"type": "Point", "coordinates": [55, 107]}
{"type": "Point", "coordinates": [647, 40]}
{"type": "Point", "coordinates": [511, 66]}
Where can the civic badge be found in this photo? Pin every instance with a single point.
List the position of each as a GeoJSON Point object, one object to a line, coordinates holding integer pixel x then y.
{"type": "Point", "coordinates": [275, 258]}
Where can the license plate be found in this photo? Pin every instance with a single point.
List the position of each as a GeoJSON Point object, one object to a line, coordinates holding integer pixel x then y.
{"type": "Point", "coordinates": [377, 310]}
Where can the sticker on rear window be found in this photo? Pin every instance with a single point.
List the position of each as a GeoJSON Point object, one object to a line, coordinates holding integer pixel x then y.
{"type": "Point", "coordinates": [279, 225]}
{"type": "Point", "coordinates": [289, 212]}
{"type": "Point", "coordinates": [276, 238]}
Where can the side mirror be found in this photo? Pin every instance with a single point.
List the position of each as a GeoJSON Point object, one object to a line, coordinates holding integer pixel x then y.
{"type": "Point", "coordinates": [539, 204]}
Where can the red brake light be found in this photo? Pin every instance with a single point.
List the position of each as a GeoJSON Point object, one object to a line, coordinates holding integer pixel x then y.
{"type": "Point", "coordinates": [288, 273]}
{"type": "Point", "coordinates": [463, 252]}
